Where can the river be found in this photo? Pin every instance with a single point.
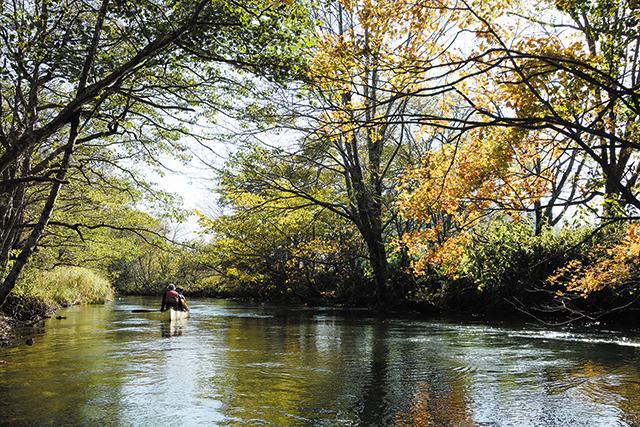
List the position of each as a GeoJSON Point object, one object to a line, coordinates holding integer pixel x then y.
{"type": "Point", "coordinates": [249, 364]}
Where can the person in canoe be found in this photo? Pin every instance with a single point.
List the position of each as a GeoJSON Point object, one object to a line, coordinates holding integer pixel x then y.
{"type": "Point", "coordinates": [182, 303]}
{"type": "Point", "coordinates": [171, 299]}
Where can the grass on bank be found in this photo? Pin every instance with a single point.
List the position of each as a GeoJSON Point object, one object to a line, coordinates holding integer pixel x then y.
{"type": "Point", "coordinates": [41, 292]}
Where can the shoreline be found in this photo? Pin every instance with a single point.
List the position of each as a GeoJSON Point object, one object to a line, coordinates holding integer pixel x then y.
{"type": "Point", "coordinates": [5, 329]}
{"type": "Point", "coordinates": [10, 329]}
{"type": "Point", "coordinates": [10, 326]}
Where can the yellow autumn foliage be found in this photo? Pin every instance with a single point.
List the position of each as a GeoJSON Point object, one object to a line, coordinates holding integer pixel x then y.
{"type": "Point", "coordinates": [460, 184]}
{"type": "Point", "coordinates": [614, 267]}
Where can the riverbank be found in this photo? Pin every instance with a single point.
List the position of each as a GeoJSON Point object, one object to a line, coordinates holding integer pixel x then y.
{"type": "Point", "coordinates": [9, 328]}
{"type": "Point", "coordinates": [5, 329]}
{"type": "Point", "coordinates": [40, 293]}
{"type": "Point", "coordinates": [23, 317]}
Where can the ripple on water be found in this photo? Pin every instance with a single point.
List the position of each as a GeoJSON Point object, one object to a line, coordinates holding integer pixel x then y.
{"type": "Point", "coordinates": [232, 364]}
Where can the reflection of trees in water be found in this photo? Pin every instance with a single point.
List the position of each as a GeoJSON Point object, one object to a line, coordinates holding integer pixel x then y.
{"type": "Point", "coordinates": [593, 382]}
{"type": "Point", "coordinates": [173, 329]}
{"type": "Point", "coordinates": [312, 367]}
{"type": "Point", "coordinates": [432, 407]}
{"type": "Point", "coordinates": [360, 371]}
{"type": "Point", "coordinates": [409, 386]}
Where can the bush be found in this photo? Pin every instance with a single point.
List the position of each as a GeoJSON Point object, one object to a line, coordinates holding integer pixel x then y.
{"type": "Point", "coordinates": [65, 286]}
{"type": "Point", "coordinates": [504, 261]}
{"type": "Point", "coordinates": [506, 254]}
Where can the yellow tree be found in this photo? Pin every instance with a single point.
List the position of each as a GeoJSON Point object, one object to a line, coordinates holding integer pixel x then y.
{"type": "Point", "coordinates": [267, 245]}
{"type": "Point", "coordinates": [551, 117]}
{"type": "Point", "coordinates": [356, 138]}
{"type": "Point", "coordinates": [459, 185]}
{"type": "Point", "coordinates": [617, 268]}
{"type": "Point", "coordinates": [360, 75]}
{"type": "Point", "coordinates": [388, 73]}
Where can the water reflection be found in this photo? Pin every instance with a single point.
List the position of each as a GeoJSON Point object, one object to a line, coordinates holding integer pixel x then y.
{"type": "Point", "coordinates": [233, 364]}
{"type": "Point", "coordinates": [174, 328]}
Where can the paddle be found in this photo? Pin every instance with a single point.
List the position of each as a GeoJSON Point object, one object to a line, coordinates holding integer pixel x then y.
{"type": "Point", "coordinates": [144, 310]}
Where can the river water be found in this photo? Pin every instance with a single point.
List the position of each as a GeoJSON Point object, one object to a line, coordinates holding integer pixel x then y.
{"type": "Point", "coordinates": [241, 364]}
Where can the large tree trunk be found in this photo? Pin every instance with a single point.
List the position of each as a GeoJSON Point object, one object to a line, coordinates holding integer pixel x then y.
{"type": "Point", "coordinates": [31, 244]}
{"type": "Point", "coordinates": [379, 264]}
{"type": "Point", "coordinates": [367, 210]}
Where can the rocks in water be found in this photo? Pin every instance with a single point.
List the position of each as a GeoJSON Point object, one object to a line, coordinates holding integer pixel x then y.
{"type": "Point", "coordinates": [29, 341]}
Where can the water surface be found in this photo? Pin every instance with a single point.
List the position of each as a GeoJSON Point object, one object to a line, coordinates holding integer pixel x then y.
{"type": "Point", "coordinates": [240, 364]}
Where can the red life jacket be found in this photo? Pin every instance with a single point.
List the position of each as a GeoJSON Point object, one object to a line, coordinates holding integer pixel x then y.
{"type": "Point", "coordinates": [172, 297]}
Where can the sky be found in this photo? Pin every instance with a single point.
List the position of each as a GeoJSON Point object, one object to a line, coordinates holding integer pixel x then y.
{"type": "Point", "coordinates": [192, 182]}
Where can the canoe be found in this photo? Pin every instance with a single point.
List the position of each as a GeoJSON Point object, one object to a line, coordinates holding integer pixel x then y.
{"type": "Point", "coordinates": [170, 315]}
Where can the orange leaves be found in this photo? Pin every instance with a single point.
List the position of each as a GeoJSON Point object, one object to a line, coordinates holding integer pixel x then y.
{"type": "Point", "coordinates": [486, 168]}
{"type": "Point", "coordinates": [429, 251]}
{"type": "Point", "coordinates": [613, 267]}
{"type": "Point", "coordinates": [460, 184]}
{"type": "Point", "coordinates": [629, 250]}
{"type": "Point", "coordinates": [391, 36]}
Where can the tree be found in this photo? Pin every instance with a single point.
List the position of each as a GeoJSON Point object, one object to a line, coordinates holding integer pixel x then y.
{"type": "Point", "coordinates": [270, 245]}
{"type": "Point", "coordinates": [353, 141]}
{"type": "Point", "coordinates": [93, 226]}
{"type": "Point", "coordinates": [609, 267]}
{"type": "Point", "coordinates": [545, 120]}
{"type": "Point", "coordinates": [585, 92]}
{"type": "Point", "coordinates": [124, 79]}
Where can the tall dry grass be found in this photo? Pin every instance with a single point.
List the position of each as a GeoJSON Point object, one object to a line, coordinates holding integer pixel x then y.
{"type": "Point", "coordinates": [66, 286]}
{"type": "Point", "coordinates": [39, 293]}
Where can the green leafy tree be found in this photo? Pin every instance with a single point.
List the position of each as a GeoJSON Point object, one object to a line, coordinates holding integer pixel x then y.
{"type": "Point", "coordinates": [269, 244]}
{"type": "Point", "coordinates": [116, 82]}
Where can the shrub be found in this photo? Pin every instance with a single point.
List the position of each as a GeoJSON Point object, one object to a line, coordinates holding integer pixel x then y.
{"type": "Point", "coordinates": [66, 286]}
{"type": "Point", "coordinates": [504, 261]}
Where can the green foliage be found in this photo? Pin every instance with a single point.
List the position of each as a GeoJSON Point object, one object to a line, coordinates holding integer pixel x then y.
{"type": "Point", "coordinates": [275, 245]}
{"type": "Point", "coordinates": [62, 286]}
{"type": "Point", "coordinates": [501, 255]}
{"type": "Point", "coordinates": [504, 262]}
{"type": "Point", "coordinates": [97, 226]}
{"type": "Point", "coordinates": [147, 269]}
{"type": "Point", "coordinates": [90, 90]}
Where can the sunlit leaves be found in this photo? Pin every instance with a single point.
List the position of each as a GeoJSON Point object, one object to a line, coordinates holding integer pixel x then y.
{"type": "Point", "coordinates": [133, 78]}
{"type": "Point", "coordinates": [543, 118]}
{"type": "Point", "coordinates": [616, 267]}
{"type": "Point", "coordinates": [272, 248]}
{"type": "Point", "coordinates": [463, 182]}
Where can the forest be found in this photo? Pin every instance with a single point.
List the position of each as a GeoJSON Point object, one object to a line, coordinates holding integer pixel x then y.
{"type": "Point", "coordinates": [474, 157]}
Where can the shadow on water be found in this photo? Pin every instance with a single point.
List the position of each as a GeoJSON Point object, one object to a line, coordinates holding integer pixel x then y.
{"type": "Point", "coordinates": [240, 364]}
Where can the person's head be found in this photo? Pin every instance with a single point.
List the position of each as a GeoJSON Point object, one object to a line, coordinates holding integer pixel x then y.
{"type": "Point", "coordinates": [179, 289]}
{"type": "Point", "coordinates": [171, 287]}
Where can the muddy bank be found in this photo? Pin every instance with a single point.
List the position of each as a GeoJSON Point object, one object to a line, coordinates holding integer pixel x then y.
{"type": "Point", "coordinates": [19, 315]}
{"type": "Point", "coordinates": [5, 329]}
{"type": "Point", "coordinates": [12, 330]}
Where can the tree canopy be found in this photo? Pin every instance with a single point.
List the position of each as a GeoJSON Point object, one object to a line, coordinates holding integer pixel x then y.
{"type": "Point", "coordinates": [108, 82]}
{"type": "Point", "coordinates": [425, 122]}
{"type": "Point", "coordinates": [436, 137]}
